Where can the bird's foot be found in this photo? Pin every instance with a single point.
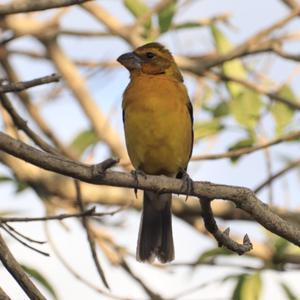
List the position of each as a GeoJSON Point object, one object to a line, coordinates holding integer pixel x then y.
{"type": "Point", "coordinates": [187, 184]}
{"type": "Point", "coordinates": [135, 174]}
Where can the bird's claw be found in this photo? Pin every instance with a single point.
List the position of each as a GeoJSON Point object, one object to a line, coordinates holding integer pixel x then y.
{"type": "Point", "coordinates": [135, 174]}
{"type": "Point", "coordinates": [187, 184]}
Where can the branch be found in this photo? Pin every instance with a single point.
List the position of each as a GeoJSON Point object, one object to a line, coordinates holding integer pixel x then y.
{"type": "Point", "coordinates": [243, 197]}
{"type": "Point", "coordinates": [78, 87]}
{"type": "Point", "coordinates": [3, 295]}
{"type": "Point", "coordinates": [22, 125]}
{"type": "Point", "coordinates": [18, 273]}
{"type": "Point", "coordinates": [257, 88]}
{"type": "Point", "coordinates": [254, 44]}
{"type": "Point", "coordinates": [222, 237]}
{"type": "Point", "coordinates": [32, 110]}
{"type": "Point", "coordinates": [290, 3]}
{"type": "Point", "coordinates": [7, 87]}
{"type": "Point", "coordinates": [29, 5]}
{"type": "Point", "coordinates": [88, 213]}
{"type": "Point", "coordinates": [90, 238]}
{"type": "Point", "coordinates": [77, 275]}
{"type": "Point", "coordinates": [248, 150]}
{"type": "Point", "coordinates": [23, 243]}
{"type": "Point", "coordinates": [290, 166]}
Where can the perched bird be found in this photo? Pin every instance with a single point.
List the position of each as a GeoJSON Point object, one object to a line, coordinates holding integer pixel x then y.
{"type": "Point", "coordinates": [158, 124]}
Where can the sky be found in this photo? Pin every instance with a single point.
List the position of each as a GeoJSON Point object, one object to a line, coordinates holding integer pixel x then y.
{"type": "Point", "coordinates": [107, 88]}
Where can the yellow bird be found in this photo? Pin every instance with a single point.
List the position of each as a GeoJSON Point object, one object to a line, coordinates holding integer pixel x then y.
{"type": "Point", "coordinates": [158, 124]}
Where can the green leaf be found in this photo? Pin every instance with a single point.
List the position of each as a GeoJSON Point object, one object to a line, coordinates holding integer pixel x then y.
{"type": "Point", "coordinates": [290, 295]}
{"type": "Point", "coordinates": [282, 113]}
{"type": "Point", "coordinates": [280, 245]}
{"type": "Point", "coordinates": [188, 25]}
{"type": "Point", "coordinates": [221, 110]}
{"type": "Point", "coordinates": [41, 279]}
{"type": "Point", "coordinates": [138, 8]}
{"type": "Point", "coordinates": [248, 287]}
{"type": "Point", "coordinates": [246, 108]}
{"type": "Point", "coordinates": [231, 68]}
{"type": "Point", "coordinates": [4, 179]}
{"type": "Point", "coordinates": [243, 143]}
{"type": "Point", "coordinates": [20, 186]}
{"type": "Point", "coordinates": [5, 213]}
{"type": "Point", "coordinates": [212, 253]}
{"type": "Point", "coordinates": [165, 17]}
{"type": "Point", "coordinates": [83, 140]}
{"type": "Point", "coordinates": [207, 128]}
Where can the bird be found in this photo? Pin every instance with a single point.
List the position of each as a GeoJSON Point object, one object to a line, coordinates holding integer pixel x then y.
{"type": "Point", "coordinates": [158, 125]}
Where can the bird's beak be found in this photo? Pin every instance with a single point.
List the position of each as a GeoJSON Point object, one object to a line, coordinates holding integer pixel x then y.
{"type": "Point", "coordinates": [130, 61]}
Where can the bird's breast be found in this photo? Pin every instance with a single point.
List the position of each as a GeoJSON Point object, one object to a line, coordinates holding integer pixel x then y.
{"type": "Point", "coordinates": [157, 125]}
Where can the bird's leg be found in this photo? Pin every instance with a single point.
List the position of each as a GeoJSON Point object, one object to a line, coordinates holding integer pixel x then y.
{"type": "Point", "coordinates": [187, 184]}
{"type": "Point", "coordinates": [135, 174]}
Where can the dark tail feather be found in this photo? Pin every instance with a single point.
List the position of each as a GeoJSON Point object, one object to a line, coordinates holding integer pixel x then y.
{"type": "Point", "coordinates": [155, 235]}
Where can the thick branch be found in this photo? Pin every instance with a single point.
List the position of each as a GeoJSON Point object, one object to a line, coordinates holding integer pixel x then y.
{"type": "Point", "coordinates": [3, 295]}
{"type": "Point", "coordinates": [18, 273]}
{"type": "Point", "coordinates": [243, 198]}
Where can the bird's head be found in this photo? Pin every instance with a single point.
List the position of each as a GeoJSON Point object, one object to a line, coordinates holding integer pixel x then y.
{"type": "Point", "coordinates": [152, 59]}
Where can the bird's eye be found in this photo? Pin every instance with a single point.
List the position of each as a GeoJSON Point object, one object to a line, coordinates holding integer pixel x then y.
{"type": "Point", "coordinates": [150, 55]}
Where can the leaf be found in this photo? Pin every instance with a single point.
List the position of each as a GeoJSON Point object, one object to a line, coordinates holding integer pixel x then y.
{"type": "Point", "coordinates": [230, 68]}
{"type": "Point", "coordinates": [280, 245]}
{"type": "Point", "coordinates": [188, 25]}
{"type": "Point", "coordinates": [83, 140]}
{"type": "Point", "coordinates": [282, 113]}
{"type": "Point", "coordinates": [290, 295]}
{"type": "Point", "coordinates": [221, 110]}
{"type": "Point", "coordinates": [212, 253]}
{"type": "Point", "coordinates": [207, 128]}
{"type": "Point", "coordinates": [5, 179]}
{"type": "Point", "coordinates": [248, 287]}
{"type": "Point", "coordinates": [165, 16]}
{"type": "Point", "coordinates": [243, 143]}
{"type": "Point", "coordinates": [138, 8]}
{"type": "Point", "coordinates": [245, 104]}
{"type": "Point", "coordinates": [41, 279]}
{"type": "Point", "coordinates": [246, 108]}
{"type": "Point", "coordinates": [5, 213]}
{"type": "Point", "coordinates": [20, 186]}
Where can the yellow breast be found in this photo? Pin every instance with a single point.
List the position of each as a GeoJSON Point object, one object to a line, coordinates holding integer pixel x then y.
{"type": "Point", "coordinates": [157, 123]}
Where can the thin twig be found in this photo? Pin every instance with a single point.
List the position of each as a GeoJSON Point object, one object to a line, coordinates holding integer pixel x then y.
{"type": "Point", "coordinates": [150, 293]}
{"type": "Point", "coordinates": [247, 150]}
{"type": "Point", "coordinates": [76, 274]}
{"type": "Point", "coordinates": [8, 87]}
{"type": "Point", "coordinates": [290, 166]}
{"type": "Point", "coordinates": [255, 87]}
{"type": "Point", "coordinates": [22, 242]}
{"type": "Point", "coordinates": [32, 110]}
{"type": "Point", "coordinates": [23, 236]}
{"type": "Point", "coordinates": [91, 241]}
{"type": "Point", "coordinates": [88, 213]}
{"type": "Point", "coordinates": [22, 124]}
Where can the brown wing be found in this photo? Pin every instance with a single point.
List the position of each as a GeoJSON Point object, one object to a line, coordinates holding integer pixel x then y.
{"type": "Point", "coordinates": [190, 109]}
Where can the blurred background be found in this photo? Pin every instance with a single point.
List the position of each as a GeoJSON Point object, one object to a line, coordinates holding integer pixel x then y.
{"type": "Point", "coordinates": [240, 61]}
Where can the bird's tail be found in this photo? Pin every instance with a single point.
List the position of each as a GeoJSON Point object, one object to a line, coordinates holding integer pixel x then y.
{"type": "Point", "coordinates": [155, 234]}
